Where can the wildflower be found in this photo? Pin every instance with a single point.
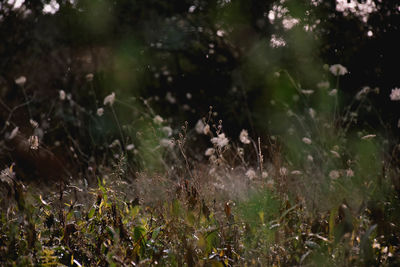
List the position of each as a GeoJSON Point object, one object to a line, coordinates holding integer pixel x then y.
{"type": "Point", "coordinates": [368, 136]}
{"type": "Point", "coordinates": [209, 151]}
{"type": "Point", "coordinates": [338, 69]}
{"type": "Point", "coordinates": [349, 173]}
{"type": "Point", "coordinates": [20, 80]}
{"type": "Point", "coordinates": [244, 137]}
{"type": "Point", "coordinates": [323, 85]}
{"type": "Point", "coordinates": [335, 153]}
{"type": "Point", "coordinates": [220, 141]}
{"type": "Point", "coordinates": [264, 174]}
{"type": "Point", "coordinates": [206, 129]}
{"type": "Point", "coordinates": [158, 119]}
{"type": "Point", "coordinates": [334, 174]}
{"type": "Point", "coordinates": [363, 92]}
{"type": "Point", "coordinates": [188, 95]}
{"type": "Point", "coordinates": [7, 175]}
{"type": "Point", "coordinates": [283, 171]}
{"type": "Point", "coordinates": [100, 112]}
{"type": "Point", "coordinates": [306, 140]}
{"type": "Point", "coordinates": [307, 92]}
{"type": "Point", "coordinates": [110, 99]}
{"type": "Point", "coordinates": [113, 144]}
{"type": "Point", "coordinates": [33, 123]}
{"type": "Point", "coordinates": [61, 95]}
{"type": "Point", "coordinates": [333, 92]}
{"type": "Point", "coordinates": [164, 142]}
{"type": "Point", "coordinates": [130, 147]}
{"type": "Point", "coordinates": [13, 133]}
{"type": "Point", "coordinates": [167, 130]}
{"type": "Point", "coordinates": [169, 97]}
{"type": "Point", "coordinates": [310, 158]}
{"type": "Point", "coordinates": [33, 142]}
{"type": "Point", "coordinates": [395, 94]}
{"type": "Point", "coordinates": [199, 127]}
{"type": "Point", "coordinates": [312, 113]}
{"type": "Point", "coordinates": [89, 77]}
{"type": "Point", "coordinates": [251, 174]}
{"type": "Point", "coordinates": [296, 172]}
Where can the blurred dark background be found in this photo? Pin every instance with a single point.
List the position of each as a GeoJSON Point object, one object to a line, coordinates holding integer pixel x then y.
{"type": "Point", "coordinates": [184, 56]}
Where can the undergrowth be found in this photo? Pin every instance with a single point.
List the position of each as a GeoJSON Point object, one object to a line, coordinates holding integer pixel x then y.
{"type": "Point", "coordinates": [322, 193]}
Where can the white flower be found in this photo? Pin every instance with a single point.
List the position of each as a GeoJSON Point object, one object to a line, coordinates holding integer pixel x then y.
{"type": "Point", "coordinates": [363, 92]}
{"type": "Point", "coordinates": [169, 97]}
{"type": "Point", "coordinates": [130, 147]}
{"type": "Point", "coordinates": [283, 171]}
{"type": "Point", "coordinates": [110, 99]}
{"type": "Point", "coordinates": [323, 85]}
{"type": "Point", "coordinates": [100, 112]}
{"type": "Point", "coordinates": [220, 141]}
{"type": "Point", "coordinates": [188, 95]}
{"type": "Point", "coordinates": [20, 80]}
{"type": "Point", "coordinates": [264, 174]}
{"type": "Point", "coordinates": [206, 129]}
{"type": "Point", "coordinates": [296, 172]}
{"type": "Point", "coordinates": [115, 143]}
{"type": "Point", "coordinates": [349, 173]}
{"type": "Point", "coordinates": [209, 151]}
{"type": "Point", "coordinates": [33, 123]}
{"type": "Point", "coordinates": [164, 142]}
{"type": "Point", "coordinates": [334, 174]}
{"type": "Point", "coordinates": [89, 77]}
{"type": "Point", "coordinates": [310, 158]}
{"type": "Point", "coordinates": [61, 95]}
{"type": "Point", "coordinates": [335, 153]}
{"type": "Point", "coordinates": [333, 92]}
{"type": "Point", "coordinates": [33, 142]}
{"type": "Point", "coordinates": [312, 113]}
{"type": "Point", "coordinates": [167, 130]}
{"type": "Point", "coordinates": [338, 69]}
{"type": "Point", "coordinates": [158, 119]}
{"type": "Point", "coordinates": [395, 94]}
{"type": "Point", "coordinates": [199, 127]}
{"type": "Point", "coordinates": [251, 174]}
{"type": "Point", "coordinates": [368, 136]}
{"type": "Point", "coordinates": [13, 133]}
{"type": "Point", "coordinates": [244, 137]}
{"type": "Point", "coordinates": [306, 140]}
{"type": "Point", "coordinates": [307, 92]}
